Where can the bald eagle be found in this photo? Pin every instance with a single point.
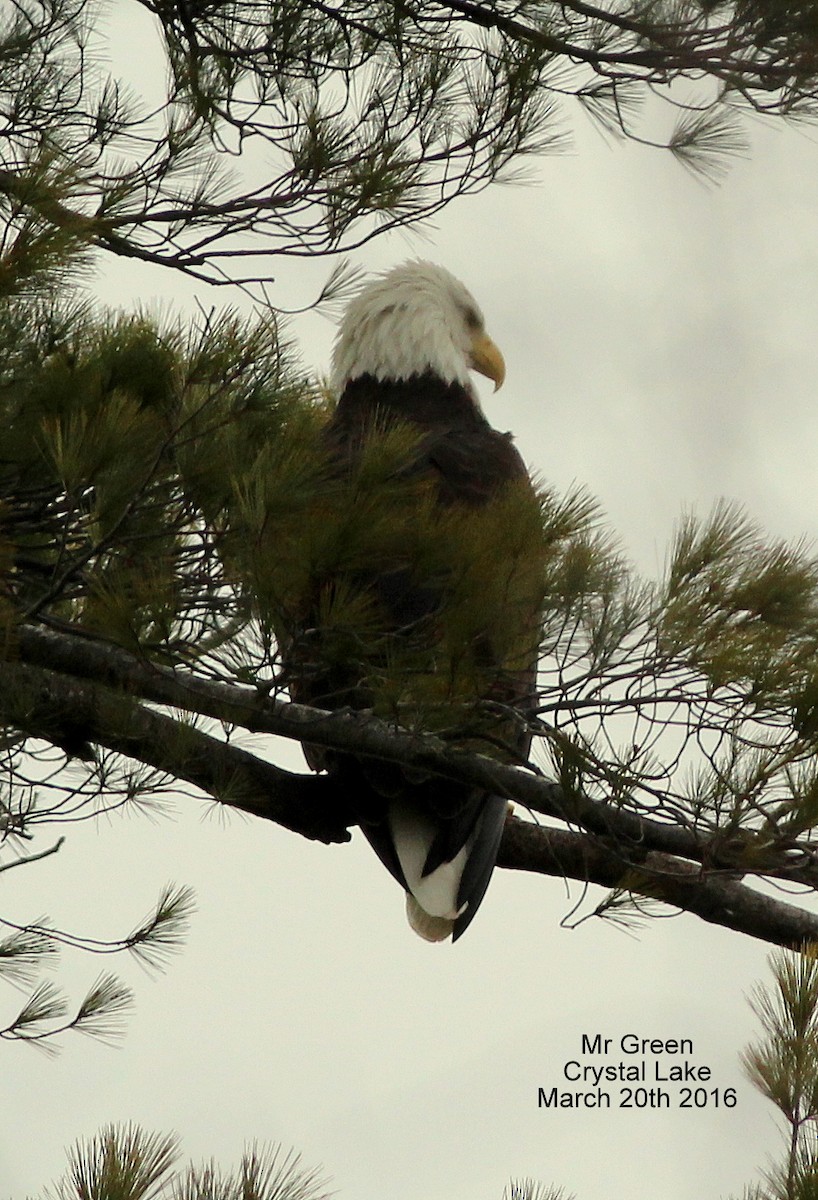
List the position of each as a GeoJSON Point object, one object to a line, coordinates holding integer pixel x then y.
{"type": "Point", "coordinates": [464, 631]}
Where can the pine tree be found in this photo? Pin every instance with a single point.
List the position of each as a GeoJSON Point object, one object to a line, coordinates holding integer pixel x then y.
{"type": "Point", "coordinates": [153, 474]}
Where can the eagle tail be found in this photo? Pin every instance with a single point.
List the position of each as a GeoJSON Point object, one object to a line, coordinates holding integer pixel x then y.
{"type": "Point", "coordinates": [431, 929]}
{"type": "Point", "coordinates": [443, 901]}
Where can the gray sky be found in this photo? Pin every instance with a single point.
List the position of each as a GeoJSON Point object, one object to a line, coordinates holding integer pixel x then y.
{"type": "Point", "coordinates": [660, 348]}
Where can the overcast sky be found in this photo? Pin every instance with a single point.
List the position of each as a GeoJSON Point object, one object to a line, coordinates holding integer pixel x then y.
{"type": "Point", "coordinates": [660, 344]}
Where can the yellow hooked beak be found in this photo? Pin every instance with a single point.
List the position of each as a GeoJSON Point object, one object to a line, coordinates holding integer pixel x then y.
{"type": "Point", "coordinates": [487, 359]}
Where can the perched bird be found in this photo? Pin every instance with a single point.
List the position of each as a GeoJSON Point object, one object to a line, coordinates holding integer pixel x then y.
{"type": "Point", "coordinates": [449, 595]}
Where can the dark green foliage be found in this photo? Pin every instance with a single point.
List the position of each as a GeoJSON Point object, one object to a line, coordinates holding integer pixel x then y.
{"type": "Point", "coordinates": [744, 612]}
{"type": "Point", "coordinates": [788, 26]}
{"type": "Point", "coordinates": [445, 658]}
{"type": "Point", "coordinates": [118, 444]}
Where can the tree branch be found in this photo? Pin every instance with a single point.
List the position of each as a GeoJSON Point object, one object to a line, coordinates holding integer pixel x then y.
{"type": "Point", "coordinates": [56, 705]}
{"type": "Point", "coordinates": [48, 705]}
{"type": "Point", "coordinates": [355, 732]}
{"type": "Point", "coordinates": [25, 859]}
{"type": "Point", "coordinates": [713, 898]}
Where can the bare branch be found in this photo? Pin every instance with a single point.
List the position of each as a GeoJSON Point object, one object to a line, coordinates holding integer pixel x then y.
{"type": "Point", "coordinates": [25, 859]}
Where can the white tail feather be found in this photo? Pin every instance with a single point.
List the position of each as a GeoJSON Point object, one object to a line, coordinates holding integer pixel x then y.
{"type": "Point", "coordinates": [431, 929]}
{"type": "Point", "coordinates": [413, 834]}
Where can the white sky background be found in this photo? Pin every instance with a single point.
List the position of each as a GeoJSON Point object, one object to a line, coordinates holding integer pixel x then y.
{"type": "Point", "coordinates": [660, 345]}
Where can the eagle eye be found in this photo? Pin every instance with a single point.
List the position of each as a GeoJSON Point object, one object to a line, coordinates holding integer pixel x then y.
{"type": "Point", "coordinates": [473, 321]}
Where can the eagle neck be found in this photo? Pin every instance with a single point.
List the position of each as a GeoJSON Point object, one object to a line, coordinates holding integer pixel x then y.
{"type": "Point", "coordinates": [423, 399]}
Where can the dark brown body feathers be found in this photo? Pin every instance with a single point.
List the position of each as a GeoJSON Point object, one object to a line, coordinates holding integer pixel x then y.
{"type": "Point", "coordinates": [467, 464]}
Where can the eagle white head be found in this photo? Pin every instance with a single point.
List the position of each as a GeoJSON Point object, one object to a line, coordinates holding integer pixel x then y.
{"type": "Point", "coordinates": [414, 319]}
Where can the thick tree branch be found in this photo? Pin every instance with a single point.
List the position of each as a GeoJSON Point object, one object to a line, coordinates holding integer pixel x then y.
{"type": "Point", "coordinates": [713, 898]}
{"type": "Point", "coordinates": [44, 704]}
{"type": "Point", "coordinates": [47, 703]}
{"type": "Point", "coordinates": [254, 711]}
